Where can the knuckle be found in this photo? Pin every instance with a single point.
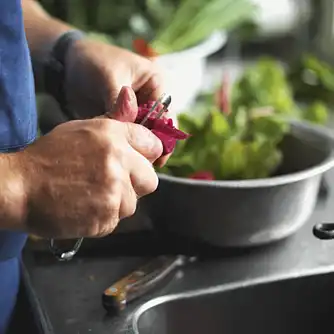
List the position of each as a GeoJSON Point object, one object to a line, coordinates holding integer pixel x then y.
{"type": "Point", "coordinates": [152, 185]}
{"type": "Point", "coordinates": [108, 227]}
{"type": "Point", "coordinates": [151, 182]}
{"type": "Point", "coordinates": [93, 228]}
{"type": "Point", "coordinates": [129, 206]}
{"type": "Point", "coordinates": [103, 214]}
{"type": "Point", "coordinates": [131, 209]}
{"type": "Point", "coordinates": [113, 174]}
{"type": "Point", "coordinates": [113, 204]}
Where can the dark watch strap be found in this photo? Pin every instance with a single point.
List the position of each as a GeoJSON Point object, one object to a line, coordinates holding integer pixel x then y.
{"type": "Point", "coordinates": [55, 70]}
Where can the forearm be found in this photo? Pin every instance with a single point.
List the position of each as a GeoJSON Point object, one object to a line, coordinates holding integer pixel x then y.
{"type": "Point", "coordinates": [13, 192]}
{"type": "Point", "coordinates": [42, 31]}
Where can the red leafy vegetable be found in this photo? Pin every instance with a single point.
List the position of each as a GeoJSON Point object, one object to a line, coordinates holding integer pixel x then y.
{"type": "Point", "coordinates": [202, 175]}
{"type": "Point", "coordinates": [143, 48]}
{"type": "Point", "coordinates": [163, 127]}
{"type": "Point", "coordinates": [222, 96]}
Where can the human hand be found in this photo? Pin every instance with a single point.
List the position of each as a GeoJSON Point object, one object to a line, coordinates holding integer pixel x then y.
{"type": "Point", "coordinates": [96, 72]}
{"type": "Point", "coordinates": [84, 176]}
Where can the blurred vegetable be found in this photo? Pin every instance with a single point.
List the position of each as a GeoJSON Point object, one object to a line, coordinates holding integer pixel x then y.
{"type": "Point", "coordinates": [317, 112]}
{"type": "Point", "coordinates": [312, 79]}
{"type": "Point", "coordinates": [168, 25]}
{"type": "Point", "coordinates": [241, 145]}
{"type": "Point", "coordinates": [237, 132]}
{"type": "Point", "coordinates": [195, 20]}
{"type": "Point", "coordinates": [267, 84]}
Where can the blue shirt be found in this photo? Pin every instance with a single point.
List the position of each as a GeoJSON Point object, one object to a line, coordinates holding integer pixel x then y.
{"type": "Point", "coordinates": [18, 128]}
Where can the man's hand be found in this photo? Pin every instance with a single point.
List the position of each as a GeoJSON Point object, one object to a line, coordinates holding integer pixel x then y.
{"type": "Point", "coordinates": [84, 176]}
{"type": "Point", "coordinates": [96, 72]}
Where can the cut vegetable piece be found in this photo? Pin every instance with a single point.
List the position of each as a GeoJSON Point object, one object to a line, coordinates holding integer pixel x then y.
{"type": "Point", "coordinates": [163, 128]}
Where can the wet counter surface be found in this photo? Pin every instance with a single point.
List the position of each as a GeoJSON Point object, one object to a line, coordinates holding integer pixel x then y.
{"type": "Point", "coordinates": [70, 293]}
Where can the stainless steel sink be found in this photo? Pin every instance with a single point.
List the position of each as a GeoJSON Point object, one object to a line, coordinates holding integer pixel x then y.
{"type": "Point", "coordinates": [302, 304]}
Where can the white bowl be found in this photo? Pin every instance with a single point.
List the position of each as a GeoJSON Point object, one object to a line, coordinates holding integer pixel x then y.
{"type": "Point", "coordinates": [183, 71]}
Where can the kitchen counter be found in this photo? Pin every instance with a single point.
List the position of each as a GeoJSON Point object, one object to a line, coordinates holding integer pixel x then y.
{"type": "Point", "coordinates": [70, 293]}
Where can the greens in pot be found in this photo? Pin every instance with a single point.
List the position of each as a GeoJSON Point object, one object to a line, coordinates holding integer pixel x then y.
{"type": "Point", "coordinates": [242, 144]}
{"type": "Point", "coordinates": [237, 135]}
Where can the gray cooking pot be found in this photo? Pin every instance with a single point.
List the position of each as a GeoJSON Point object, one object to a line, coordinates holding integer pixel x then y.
{"type": "Point", "coordinates": [248, 212]}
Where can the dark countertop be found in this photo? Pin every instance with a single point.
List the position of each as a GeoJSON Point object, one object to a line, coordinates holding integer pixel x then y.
{"type": "Point", "coordinates": [71, 292]}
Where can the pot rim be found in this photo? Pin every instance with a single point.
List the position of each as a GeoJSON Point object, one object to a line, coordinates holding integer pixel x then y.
{"type": "Point", "coordinates": [321, 168]}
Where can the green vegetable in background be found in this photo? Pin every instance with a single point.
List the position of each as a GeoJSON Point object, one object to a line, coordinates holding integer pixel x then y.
{"type": "Point", "coordinates": [312, 79]}
{"type": "Point", "coordinates": [266, 83]}
{"type": "Point", "coordinates": [195, 20]}
{"type": "Point", "coordinates": [241, 145]}
{"type": "Point", "coordinates": [238, 136]}
{"type": "Point", "coordinates": [262, 85]}
{"type": "Point", "coordinates": [168, 25]}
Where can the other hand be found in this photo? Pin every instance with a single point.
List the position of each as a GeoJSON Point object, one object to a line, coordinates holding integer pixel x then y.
{"type": "Point", "coordinates": [96, 72]}
{"type": "Point", "coordinates": [84, 176]}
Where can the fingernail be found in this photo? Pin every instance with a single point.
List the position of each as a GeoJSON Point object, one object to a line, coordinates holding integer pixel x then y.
{"type": "Point", "coordinates": [130, 99]}
{"type": "Point", "coordinates": [126, 108]}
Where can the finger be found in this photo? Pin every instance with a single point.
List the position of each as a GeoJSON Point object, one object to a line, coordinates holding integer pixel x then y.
{"type": "Point", "coordinates": [160, 162]}
{"type": "Point", "coordinates": [126, 108]}
{"type": "Point", "coordinates": [151, 90]}
{"type": "Point", "coordinates": [143, 141]}
{"type": "Point", "coordinates": [129, 201]}
{"type": "Point", "coordinates": [143, 177]}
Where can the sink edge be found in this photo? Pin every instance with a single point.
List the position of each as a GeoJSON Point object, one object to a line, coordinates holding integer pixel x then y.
{"type": "Point", "coordinates": [133, 320]}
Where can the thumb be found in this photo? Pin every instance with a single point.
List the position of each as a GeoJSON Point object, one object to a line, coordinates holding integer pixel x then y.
{"type": "Point", "coordinates": [126, 108]}
{"type": "Point", "coordinates": [144, 141]}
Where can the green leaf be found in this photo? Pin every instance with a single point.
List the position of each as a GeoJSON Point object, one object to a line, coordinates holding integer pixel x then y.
{"type": "Point", "coordinates": [272, 128]}
{"type": "Point", "coordinates": [262, 159]}
{"type": "Point", "coordinates": [240, 120]}
{"type": "Point", "coordinates": [233, 159]}
{"type": "Point", "coordinates": [189, 124]}
{"type": "Point", "coordinates": [317, 113]}
{"type": "Point", "coordinates": [219, 124]}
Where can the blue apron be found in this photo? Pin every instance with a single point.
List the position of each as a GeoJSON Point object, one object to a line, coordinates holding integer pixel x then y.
{"type": "Point", "coordinates": [18, 128]}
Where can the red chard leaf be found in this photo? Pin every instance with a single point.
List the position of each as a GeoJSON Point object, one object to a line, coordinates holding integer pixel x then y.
{"type": "Point", "coordinates": [202, 175]}
{"type": "Point", "coordinates": [163, 127]}
{"type": "Point", "coordinates": [222, 96]}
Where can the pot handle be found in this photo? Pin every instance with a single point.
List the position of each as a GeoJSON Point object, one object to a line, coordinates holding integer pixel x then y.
{"type": "Point", "coordinates": [324, 231]}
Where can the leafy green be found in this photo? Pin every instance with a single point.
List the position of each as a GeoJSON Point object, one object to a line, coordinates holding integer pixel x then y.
{"type": "Point", "coordinates": [243, 143]}
{"type": "Point", "coordinates": [240, 149]}
{"type": "Point", "coordinates": [262, 85]}
{"type": "Point", "coordinates": [312, 79]}
{"type": "Point", "coordinates": [316, 112]}
{"type": "Point", "coordinates": [266, 84]}
{"type": "Point", "coordinates": [195, 20]}
{"type": "Point", "coordinates": [169, 25]}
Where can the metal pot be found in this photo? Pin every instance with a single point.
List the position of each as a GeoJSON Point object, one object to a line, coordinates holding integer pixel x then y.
{"type": "Point", "coordinates": [248, 212]}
